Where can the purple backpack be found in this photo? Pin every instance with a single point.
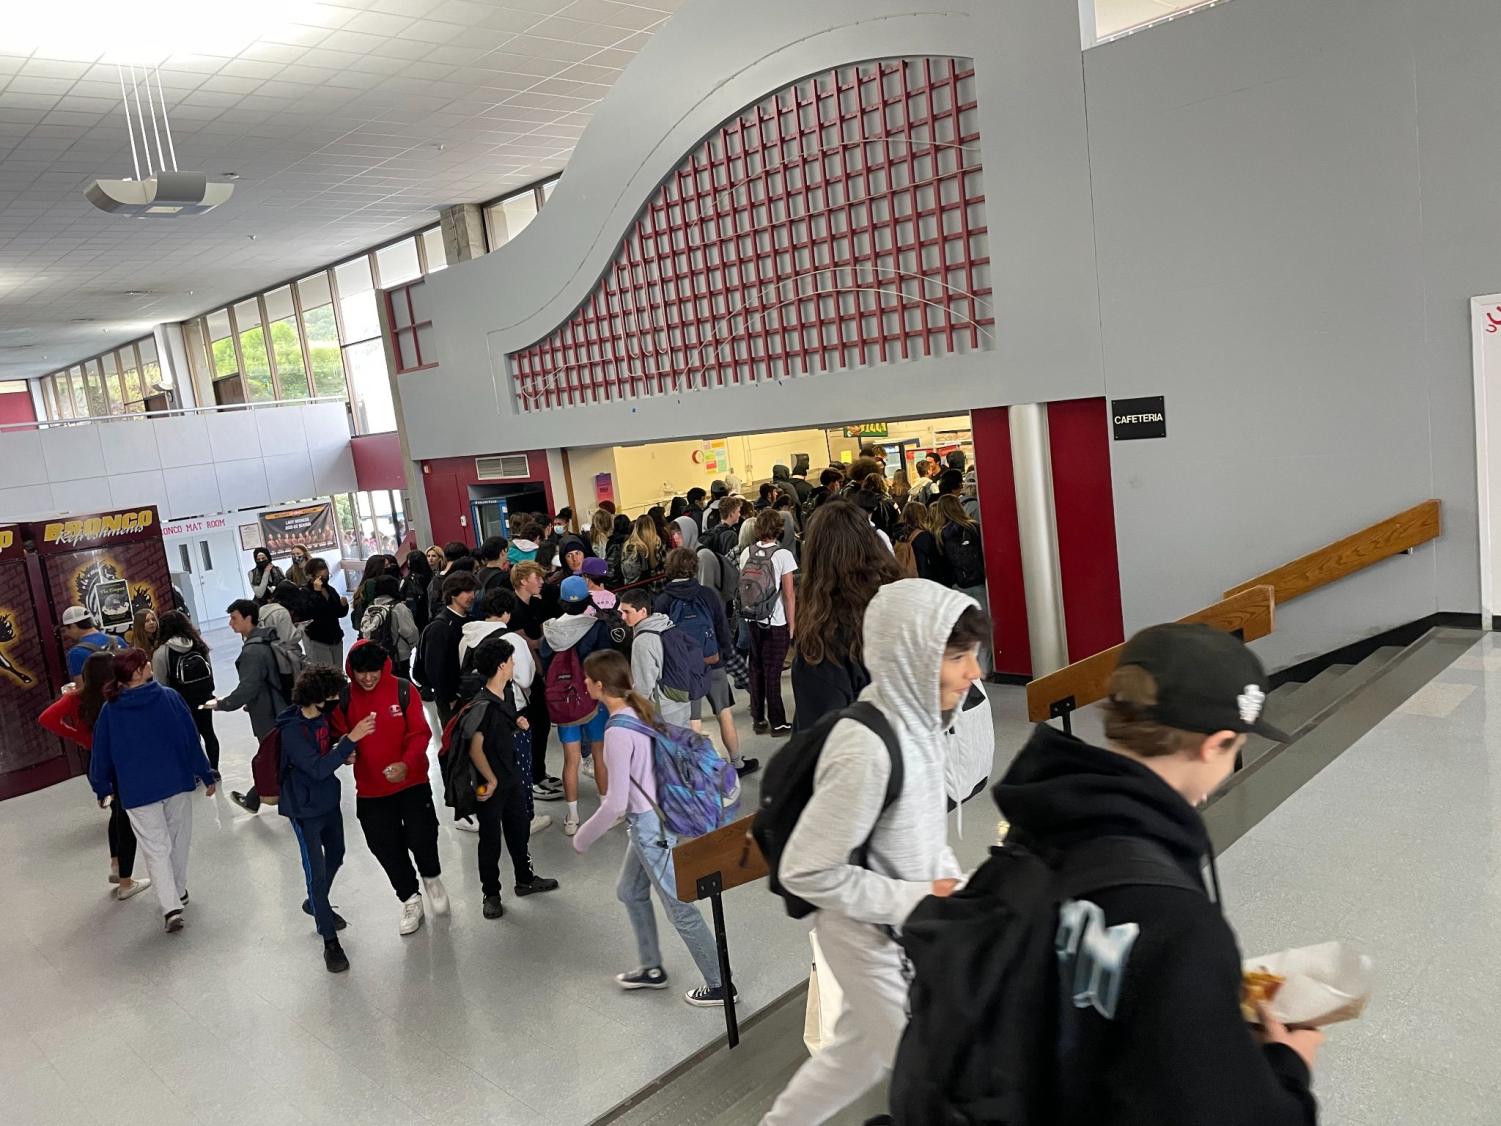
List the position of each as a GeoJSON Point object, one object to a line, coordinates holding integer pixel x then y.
{"type": "Point", "coordinates": [697, 790]}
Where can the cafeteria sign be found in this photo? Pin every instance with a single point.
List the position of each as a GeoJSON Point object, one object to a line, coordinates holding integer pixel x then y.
{"type": "Point", "coordinates": [868, 430]}
{"type": "Point", "coordinates": [310, 526]}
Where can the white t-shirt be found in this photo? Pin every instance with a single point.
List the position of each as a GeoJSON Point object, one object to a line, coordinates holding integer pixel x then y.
{"type": "Point", "coordinates": [525, 669]}
{"type": "Point", "coordinates": [782, 564]}
{"type": "Point", "coordinates": [884, 538]}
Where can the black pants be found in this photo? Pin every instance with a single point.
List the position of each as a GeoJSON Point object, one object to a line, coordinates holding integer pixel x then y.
{"type": "Point", "coordinates": [399, 827]}
{"type": "Point", "coordinates": [122, 839]}
{"type": "Point", "coordinates": [203, 719]}
{"type": "Point", "coordinates": [504, 815]}
{"type": "Point", "coordinates": [768, 655]}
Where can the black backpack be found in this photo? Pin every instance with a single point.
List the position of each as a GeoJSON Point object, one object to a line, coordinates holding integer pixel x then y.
{"type": "Point", "coordinates": [964, 554]}
{"type": "Point", "coordinates": [989, 983]}
{"type": "Point", "coordinates": [193, 677]}
{"type": "Point", "coordinates": [788, 784]}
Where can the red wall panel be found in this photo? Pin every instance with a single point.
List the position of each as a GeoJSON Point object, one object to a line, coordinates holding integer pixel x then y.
{"type": "Point", "coordinates": [17, 408]}
{"type": "Point", "coordinates": [377, 461]}
{"type": "Point", "coordinates": [1084, 503]}
{"type": "Point", "coordinates": [991, 428]}
{"type": "Point", "coordinates": [446, 481]}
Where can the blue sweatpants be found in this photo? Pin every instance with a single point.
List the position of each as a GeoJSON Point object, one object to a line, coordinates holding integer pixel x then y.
{"type": "Point", "coordinates": [321, 840]}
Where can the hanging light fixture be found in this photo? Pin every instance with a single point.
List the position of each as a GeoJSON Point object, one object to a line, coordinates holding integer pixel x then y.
{"type": "Point", "coordinates": [165, 192]}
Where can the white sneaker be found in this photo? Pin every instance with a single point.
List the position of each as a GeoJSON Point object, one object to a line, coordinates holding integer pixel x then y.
{"type": "Point", "coordinates": [135, 887]}
{"type": "Point", "coordinates": [570, 825]}
{"type": "Point", "coordinates": [469, 825]}
{"type": "Point", "coordinates": [437, 894]}
{"type": "Point", "coordinates": [588, 767]}
{"type": "Point", "coordinates": [411, 915]}
{"type": "Point", "coordinates": [541, 823]}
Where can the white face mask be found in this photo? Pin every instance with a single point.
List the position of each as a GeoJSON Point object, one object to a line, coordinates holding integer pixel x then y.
{"type": "Point", "coordinates": [559, 528]}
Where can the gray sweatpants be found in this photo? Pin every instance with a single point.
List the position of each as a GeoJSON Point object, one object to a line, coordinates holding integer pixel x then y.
{"type": "Point", "coordinates": [164, 830]}
{"type": "Point", "coordinates": [868, 967]}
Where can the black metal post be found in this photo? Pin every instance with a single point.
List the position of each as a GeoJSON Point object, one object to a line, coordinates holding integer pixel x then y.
{"type": "Point", "coordinates": [711, 886]}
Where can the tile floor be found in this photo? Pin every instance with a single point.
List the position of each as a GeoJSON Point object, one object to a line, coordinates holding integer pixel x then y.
{"type": "Point", "coordinates": [108, 1020]}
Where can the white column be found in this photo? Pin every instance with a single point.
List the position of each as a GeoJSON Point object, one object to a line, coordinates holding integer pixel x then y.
{"type": "Point", "coordinates": [1037, 525]}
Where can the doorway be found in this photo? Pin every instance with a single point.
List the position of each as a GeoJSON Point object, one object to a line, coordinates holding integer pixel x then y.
{"type": "Point", "coordinates": [1485, 338]}
{"type": "Point", "coordinates": [210, 575]}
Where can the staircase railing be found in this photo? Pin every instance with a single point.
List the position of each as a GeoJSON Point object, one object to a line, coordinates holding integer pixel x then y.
{"type": "Point", "coordinates": [1249, 609]}
{"type": "Point", "coordinates": [1249, 614]}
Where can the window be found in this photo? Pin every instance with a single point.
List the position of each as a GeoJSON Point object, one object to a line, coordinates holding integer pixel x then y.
{"type": "Point", "coordinates": [111, 365]}
{"type": "Point", "coordinates": [1114, 18]}
{"type": "Point", "coordinates": [373, 410]}
{"type": "Point", "coordinates": [322, 333]}
{"type": "Point", "coordinates": [434, 256]}
{"type": "Point", "coordinates": [398, 263]}
{"type": "Point", "coordinates": [286, 344]}
{"type": "Point", "coordinates": [358, 319]}
{"type": "Point", "coordinates": [412, 338]}
{"type": "Point", "coordinates": [253, 354]}
{"type": "Point", "coordinates": [507, 218]}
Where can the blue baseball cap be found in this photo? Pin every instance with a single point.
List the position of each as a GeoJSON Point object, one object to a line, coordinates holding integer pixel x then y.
{"type": "Point", "coordinates": [575, 588]}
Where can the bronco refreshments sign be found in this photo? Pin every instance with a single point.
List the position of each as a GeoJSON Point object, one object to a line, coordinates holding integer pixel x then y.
{"type": "Point", "coordinates": [102, 529]}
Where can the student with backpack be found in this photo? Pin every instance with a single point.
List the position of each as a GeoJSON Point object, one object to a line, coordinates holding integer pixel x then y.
{"type": "Point", "coordinates": [486, 733]}
{"type": "Point", "coordinates": [1092, 930]}
{"type": "Point", "coordinates": [497, 610]}
{"type": "Point", "coordinates": [845, 565]}
{"type": "Point", "coordinates": [768, 601]}
{"type": "Point", "coordinates": [323, 636]}
{"type": "Point", "coordinates": [181, 662]}
{"type": "Point", "coordinates": [280, 618]}
{"type": "Point", "coordinates": [699, 612]}
{"type": "Point", "coordinates": [264, 577]}
{"type": "Point", "coordinates": [916, 546]}
{"type": "Point", "coordinates": [963, 553]}
{"type": "Point", "coordinates": [854, 826]}
{"type": "Point", "coordinates": [308, 761]}
{"type": "Point", "coordinates": [389, 623]}
{"type": "Point", "coordinates": [414, 584]}
{"type": "Point", "coordinates": [393, 800]}
{"type": "Point", "coordinates": [439, 646]}
{"type": "Point", "coordinates": [567, 641]}
{"type": "Point", "coordinates": [648, 859]}
{"type": "Point", "coordinates": [663, 660]}
{"type": "Point", "coordinates": [494, 566]}
{"type": "Point", "coordinates": [82, 639]}
{"type": "Point", "coordinates": [260, 690]}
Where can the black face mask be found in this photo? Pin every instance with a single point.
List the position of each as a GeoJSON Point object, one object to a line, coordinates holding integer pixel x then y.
{"type": "Point", "coordinates": [325, 705]}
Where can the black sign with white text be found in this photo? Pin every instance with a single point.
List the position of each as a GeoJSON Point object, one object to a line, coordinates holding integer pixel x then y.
{"type": "Point", "coordinates": [1138, 418]}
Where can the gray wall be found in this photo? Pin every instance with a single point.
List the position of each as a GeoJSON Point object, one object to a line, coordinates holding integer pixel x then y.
{"type": "Point", "coordinates": [1291, 205]}
{"type": "Point", "coordinates": [691, 77]}
{"type": "Point", "coordinates": [1291, 202]}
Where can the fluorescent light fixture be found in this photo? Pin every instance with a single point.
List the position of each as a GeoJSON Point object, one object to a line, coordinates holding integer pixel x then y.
{"type": "Point", "coordinates": [124, 33]}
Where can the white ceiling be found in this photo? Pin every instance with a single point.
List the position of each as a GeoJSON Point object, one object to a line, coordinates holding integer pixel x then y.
{"type": "Point", "coordinates": [334, 126]}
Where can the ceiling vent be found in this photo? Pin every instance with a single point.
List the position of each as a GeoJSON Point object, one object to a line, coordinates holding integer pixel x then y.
{"type": "Point", "coordinates": [505, 467]}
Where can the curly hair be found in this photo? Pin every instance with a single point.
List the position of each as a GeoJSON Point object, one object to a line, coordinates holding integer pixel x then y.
{"type": "Point", "coordinates": [315, 684]}
{"type": "Point", "coordinates": [844, 564]}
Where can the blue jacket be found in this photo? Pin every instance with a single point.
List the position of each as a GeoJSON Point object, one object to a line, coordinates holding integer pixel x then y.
{"type": "Point", "coordinates": [309, 760]}
{"type": "Point", "coordinates": [147, 747]}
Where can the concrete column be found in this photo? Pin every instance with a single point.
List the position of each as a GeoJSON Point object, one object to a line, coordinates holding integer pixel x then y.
{"type": "Point", "coordinates": [172, 355]}
{"type": "Point", "coordinates": [1037, 526]}
{"type": "Point", "coordinates": [463, 226]}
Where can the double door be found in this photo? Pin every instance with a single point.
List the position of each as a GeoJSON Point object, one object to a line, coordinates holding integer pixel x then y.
{"type": "Point", "coordinates": [207, 571]}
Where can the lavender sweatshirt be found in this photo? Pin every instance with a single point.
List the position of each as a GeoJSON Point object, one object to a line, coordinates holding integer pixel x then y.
{"type": "Point", "coordinates": [628, 759]}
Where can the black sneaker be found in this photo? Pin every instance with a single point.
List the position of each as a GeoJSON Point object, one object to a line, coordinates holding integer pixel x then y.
{"type": "Point", "coordinates": [249, 803]}
{"type": "Point", "coordinates": [546, 793]}
{"type": "Point", "coordinates": [307, 909]}
{"type": "Point", "coordinates": [705, 998]}
{"type": "Point", "coordinates": [493, 908]}
{"type": "Point", "coordinates": [173, 922]}
{"type": "Point", "coordinates": [184, 898]}
{"type": "Point", "coordinates": [538, 884]}
{"type": "Point", "coordinates": [333, 956]}
{"type": "Point", "coordinates": [781, 731]}
{"type": "Point", "coordinates": [760, 726]}
{"type": "Point", "coordinates": [654, 977]}
{"type": "Point", "coordinates": [747, 766]}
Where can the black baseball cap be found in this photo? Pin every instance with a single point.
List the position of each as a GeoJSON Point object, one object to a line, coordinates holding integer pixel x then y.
{"type": "Point", "coordinates": [1207, 680]}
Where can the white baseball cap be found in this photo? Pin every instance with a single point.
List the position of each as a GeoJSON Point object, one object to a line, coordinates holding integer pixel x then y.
{"type": "Point", "coordinates": [73, 615]}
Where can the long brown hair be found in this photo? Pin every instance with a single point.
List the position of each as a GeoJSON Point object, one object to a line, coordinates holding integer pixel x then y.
{"type": "Point", "coordinates": [844, 564]}
{"type": "Point", "coordinates": [98, 671]}
{"type": "Point", "coordinates": [137, 633]}
{"type": "Point", "coordinates": [174, 623]}
{"type": "Point", "coordinates": [613, 672]}
{"type": "Point", "coordinates": [951, 511]}
{"type": "Point", "coordinates": [644, 542]}
{"type": "Point", "coordinates": [917, 515]}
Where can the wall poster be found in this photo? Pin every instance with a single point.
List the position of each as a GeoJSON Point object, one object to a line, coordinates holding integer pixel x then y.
{"type": "Point", "coordinates": [311, 525]}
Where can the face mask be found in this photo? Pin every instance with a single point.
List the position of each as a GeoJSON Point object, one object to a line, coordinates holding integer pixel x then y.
{"type": "Point", "coordinates": [326, 704]}
{"type": "Point", "coordinates": [558, 528]}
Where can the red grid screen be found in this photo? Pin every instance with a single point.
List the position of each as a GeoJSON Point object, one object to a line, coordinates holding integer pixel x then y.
{"type": "Point", "coordinates": [837, 223]}
{"type": "Point", "coordinates": [413, 338]}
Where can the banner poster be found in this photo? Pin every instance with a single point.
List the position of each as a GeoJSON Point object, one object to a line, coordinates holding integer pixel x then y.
{"type": "Point", "coordinates": [311, 525]}
{"type": "Point", "coordinates": [113, 564]}
{"type": "Point", "coordinates": [24, 692]}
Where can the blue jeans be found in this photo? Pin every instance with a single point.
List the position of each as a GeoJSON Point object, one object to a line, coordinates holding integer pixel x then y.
{"type": "Point", "coordinates": [648, 865]}
{"type": "Point", "coordinates": [321, 840]}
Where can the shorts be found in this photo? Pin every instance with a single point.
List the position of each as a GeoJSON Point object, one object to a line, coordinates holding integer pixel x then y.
{"type": "Point", "coordinates": [720, 695]}
{"type": "Point", "coordinates": [590, 731]}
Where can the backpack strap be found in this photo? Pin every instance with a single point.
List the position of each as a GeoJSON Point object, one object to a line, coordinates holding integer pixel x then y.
{"type": "Point", "coordinates": [868, 715]}
{"type": "Point", "coordinates": [1112, 862]}
{"type": "Point", "coordinates": [403, 694]}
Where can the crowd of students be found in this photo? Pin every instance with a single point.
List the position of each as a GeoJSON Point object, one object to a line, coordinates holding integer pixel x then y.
{"type": "Point", "coordinates": [610, 636]}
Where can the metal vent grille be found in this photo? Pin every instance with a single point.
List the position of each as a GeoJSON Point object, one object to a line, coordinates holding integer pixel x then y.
{"type": "Point", "coordinates": [505, 467]}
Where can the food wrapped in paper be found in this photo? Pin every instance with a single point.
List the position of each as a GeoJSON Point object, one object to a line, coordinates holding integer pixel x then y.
{"type": "Point", "coordinates": [1322, 984]}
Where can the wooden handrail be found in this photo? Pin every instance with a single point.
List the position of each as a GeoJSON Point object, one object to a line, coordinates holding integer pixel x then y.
{"type": "Point", "coordinates": [1250, 613]}
{"type": "Point", "coordinates": [1391, 536]}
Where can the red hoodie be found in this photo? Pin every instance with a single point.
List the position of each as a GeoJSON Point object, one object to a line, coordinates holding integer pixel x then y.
{"type": "Point", "coordinates": [395, 738]}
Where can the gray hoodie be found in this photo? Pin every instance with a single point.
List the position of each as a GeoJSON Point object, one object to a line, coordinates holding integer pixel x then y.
{"type": "Point", "coordinates": [161, 659]}
{"type": "Point", "coordinates": [259, 691]}
{"type": "Point", "coordinates": [646, 655]}
{"type": "Point", "coordinates": [906, 627]}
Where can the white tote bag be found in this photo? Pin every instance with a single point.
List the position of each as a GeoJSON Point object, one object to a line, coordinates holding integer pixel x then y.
{"type": "Point", "coordinates": [825, 999]}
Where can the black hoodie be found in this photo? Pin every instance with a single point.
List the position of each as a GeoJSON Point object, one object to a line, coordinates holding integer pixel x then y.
{"type": "Point", "coordinates": [1178, 1052]}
